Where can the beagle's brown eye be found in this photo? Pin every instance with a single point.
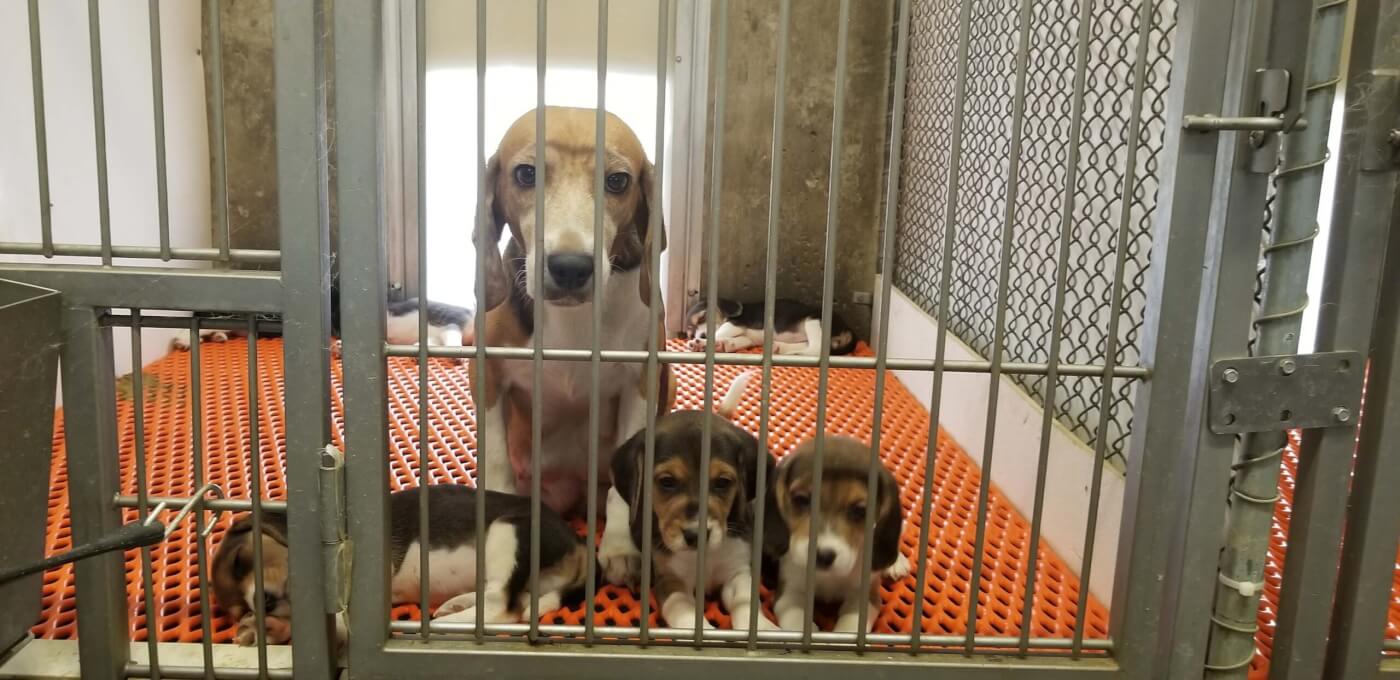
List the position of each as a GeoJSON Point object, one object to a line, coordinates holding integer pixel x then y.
{"type": "Point", "coordinates": [721, 485]}
{"type": "Point", "coordinates": [618, 182]}
{"type": "Point", "coordinates": [856, 513]}
{"type": "Point", "coordinates": [801, 502]}
{"type": "Point", "coordinates": [667, 483]}
{"type": "Point", "coordinates": [525, 175]}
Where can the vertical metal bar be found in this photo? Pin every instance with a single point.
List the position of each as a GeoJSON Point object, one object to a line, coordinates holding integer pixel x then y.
{"type": "Point", "coordinates": [1068, 193]}
{"type": "Point", "coordinates": [599, 262]}
{"type": "Point", "coordinates": [537, 397]}
{"type": "Point", "coordinates": [99, 122]}
{"type": "Point", "coordinates": [206, 627]}
{"type": "Point", "coordinates": [1110, 360]}
{"type": "Point", "coordinates": [359, 46]}
{"type": "Point", "coordinates": [255, 491]}
{"type": "Point", "coordinates": [41, 135]}
{"type": "Point", "coordinates": [887, 234]}
{"type": "Point", "coordinates": [833, 206]}
{"type": "Point", "coordinates": [1369, 195]}
{"type": "Point", "coordinates": [425, 431]}
{"type": "Point", "coordinates": [484, 245]}
{"type": "Point", "coordinates": [1254, 487]}
{"type": "Point", "coordinates": [303, 194]}
{"type": "Point", "coordinates": [770, 288]}
{"type": "Point", "coordinates": [1161, 603]}
{"type": "Point", "coordinates": [158, 107]}
{"type": "Point", "coordinates": [89, 411]}
{"type": "Point", "coordinates": [143, 509]}
{"type": "Point", "coordinates": [218, 150]}
{"type": "Point", "coordinates": [712, 290]}
{"type": "Point", "coordinates": [1013, 183]}
{"type": "Point", "coordinates": [940, 352]}
{"type": "Point", "coordinates": [653, 371]}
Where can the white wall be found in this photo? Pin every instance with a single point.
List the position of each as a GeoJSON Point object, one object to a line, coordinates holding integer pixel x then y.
{"type": "Point", "coordinates": [1016, 446]}
{"type": "Point", "coordinates": [126, 69]}
{"type": "Point", "coordinates": [571, 80]}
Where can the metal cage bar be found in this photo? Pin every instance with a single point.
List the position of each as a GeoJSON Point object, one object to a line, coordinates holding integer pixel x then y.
{"type": "Point", "coordinates": [303, 194]}
{"type": "Point", "coordinates": [538, 332]}
{"type": "Point", "coordinates": [99, 122]}
{"type": "Point", "coordinates": [595, 365]}
{"type": "Point", "coordinates": [218, 147]}
{"type": "Point", "coordinates": [158, 108]}
{"type": "Point", "coordinates": [255, 493]}
{"type": "Point", "coordinates": [425, 427]}
{"type": "Point", "coordinates": [1366, 192]}
{"type": "Point", "coordinates": [201, 558]}
{"type": "Point", "coordinates": [41, 135]}
{"type": "Point", "coordinates": [481, 231]}
{"type": "Point", "coordinates": [143, 508]}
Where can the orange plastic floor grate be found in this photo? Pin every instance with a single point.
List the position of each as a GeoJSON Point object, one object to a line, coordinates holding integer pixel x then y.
{"type": "Point", "coordinates": [167, 406]}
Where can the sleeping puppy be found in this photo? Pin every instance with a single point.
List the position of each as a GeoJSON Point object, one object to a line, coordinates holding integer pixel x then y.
{"type": "Point", "coordinates": [843, 508]}
{"type": "Point", "coordinates": [451, 561]}
{"type": "Point", "coordinates": [677, 508]}
{"type": "Point", "coordinates": [797, 328]}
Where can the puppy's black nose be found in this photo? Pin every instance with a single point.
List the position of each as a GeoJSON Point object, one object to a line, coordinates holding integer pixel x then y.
{"type": "Point", "coordinates": [825, 557]}
{"type": "Point", "coordinates": [690, 537]}
{"type": "Point", "coordinates": [570, 271]}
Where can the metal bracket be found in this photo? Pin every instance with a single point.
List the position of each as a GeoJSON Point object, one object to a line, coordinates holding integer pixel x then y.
{"type": "Point", "coordinates": [1277, 393]}
{"type": "Point", "coordinates": [1381, 108]}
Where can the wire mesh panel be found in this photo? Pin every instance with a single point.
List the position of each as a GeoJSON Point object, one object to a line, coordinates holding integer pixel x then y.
{"type": "Point", "coordinates": [1098, 209]}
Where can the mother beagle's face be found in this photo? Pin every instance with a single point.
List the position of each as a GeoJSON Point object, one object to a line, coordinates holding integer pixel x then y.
{"type": "Point", "coordinates": [567, 176]}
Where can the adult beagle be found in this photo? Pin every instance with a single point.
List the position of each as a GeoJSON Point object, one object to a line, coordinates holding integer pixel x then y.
{"type": "Point", "coordinates": [504, 405]}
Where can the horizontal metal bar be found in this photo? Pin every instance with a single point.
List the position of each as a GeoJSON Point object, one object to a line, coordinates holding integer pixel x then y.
{"type": "Point", "coordinates": [445, 659]}
{"type": "Point", "coordinates": [1209, 123]}
{"type": "Point", "coordinates": [138, 670]}
{"type": "Point", "coordinates": [1391, 645]}
{"type": "Point", "coordinates": [219, 504]}
{"type": "Point", "coordinates": [240, 255]}
{"type": "Point", "coordinates": [734, 359]}
{"type": "Point", "coordinates": [778, 636]}
{"type": "Point", "coordinates": [149, 288]}
{"type": "Point", "coordinates": [232, 324]}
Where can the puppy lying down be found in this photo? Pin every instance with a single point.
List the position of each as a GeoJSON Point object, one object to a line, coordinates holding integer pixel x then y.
{"type": "Point", "coordinates": [451, 561]}
{"type": "Point", "coordinates": [844, 509]}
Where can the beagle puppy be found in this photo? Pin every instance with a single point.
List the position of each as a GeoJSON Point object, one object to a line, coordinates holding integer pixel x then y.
{"type": "Point", "coordinates": [512, 178]}
{"type": "Point", "coordinates": [797, 327]}
{"type": "Point", "coordinates": [677, 507]}
{"type": "Point", "coordinates": [844, 508]}
{"type": "Point", "coordinates": [451, 561]}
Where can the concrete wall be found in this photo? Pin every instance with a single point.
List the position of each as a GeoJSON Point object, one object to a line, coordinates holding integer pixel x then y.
{"type": "Point", "coordinates": [750, 68]}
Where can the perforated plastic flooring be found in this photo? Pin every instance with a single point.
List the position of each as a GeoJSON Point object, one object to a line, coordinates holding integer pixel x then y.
{"type": "Point", "coordinates": [168, 409]}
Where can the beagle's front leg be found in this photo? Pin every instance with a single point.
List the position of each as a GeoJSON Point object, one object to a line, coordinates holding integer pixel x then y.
{"type": "Point", "coordinates": [618, 554]}
{"type": "Point", "coordinates": [736, 597]}
{"type": "Point", "coordinates": [499, 475]}
{"type": "Point", "coordinates": [678, 601]}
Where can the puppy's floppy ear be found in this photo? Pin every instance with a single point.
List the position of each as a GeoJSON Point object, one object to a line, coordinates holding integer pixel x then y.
{"type": "Point", "coordinates": [492, 224]}
{"type": "Point", "coordinates": [890, 522]}
{"type": "Point", "coordinates": [650, 200]}
{"type": "Point", "coordinates": [627, 478]}
{"type": "Point", "coordinates": [776, 536]}
{"type": "Point", "coordinates": [729, 308]}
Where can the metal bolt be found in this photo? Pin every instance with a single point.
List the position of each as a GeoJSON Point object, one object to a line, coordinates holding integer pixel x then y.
{"type": "Point", "coordinates": [1287, 366]}
{"type": "Point", "coordinates": [1342, 415]}
{"type": "Point", "coordinates": [1394, 137]}
{"type": "Point", "coordinates": [1231, 375]}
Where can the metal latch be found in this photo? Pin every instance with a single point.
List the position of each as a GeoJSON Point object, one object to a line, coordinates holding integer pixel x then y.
{"type": "Point", "coordinates": [1269, 118]}
{"type": "Point", "coordinates": [1277, 393]}
{"type": "Point", "coordinates": [335, 546]}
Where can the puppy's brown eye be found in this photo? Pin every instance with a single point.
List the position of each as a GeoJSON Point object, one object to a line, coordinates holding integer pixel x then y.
{"type": "Point", "coordinates": [525, 175]}
{"type": "Point", "coordinates": [721, 485]}
{"type": "Point", "coordinates": [801, 501]}
{"type": "Point", "coordinates": [618, 182]}
{"type": "Point", "coordinates": [856, 513]}
{"type": "Point", "coordinates": [667, 483]}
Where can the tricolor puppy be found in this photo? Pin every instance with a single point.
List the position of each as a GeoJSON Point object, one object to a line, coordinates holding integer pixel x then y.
{"type": "Point", "coordinates": [451, 561]}
{"type": "Point", "coordinates": [844, 510]}
{"type": "Point", "coordinates": [678, 508]}
{"type": "Point", "coordinates": [797, 327]}
{"type": "Point", "coordinates": [514, 177]}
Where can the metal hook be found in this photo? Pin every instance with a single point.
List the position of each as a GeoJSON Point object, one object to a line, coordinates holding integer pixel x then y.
{"type": "Point", "coordinates": [197, 499]}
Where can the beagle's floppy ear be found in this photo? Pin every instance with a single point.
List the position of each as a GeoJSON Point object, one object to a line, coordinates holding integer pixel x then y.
{"type": "Point", "coordinates": [493, 224]}
{"type": "Point", "coordinates": [642, 223]}
{"type": "Point", "coordinates": [729, 308]}
{"type": "Point", "coordinates": [890, 523]}
{"type": "Point", "coordinates": [776, 536]}
{"type": "Point", "coordinates": [627, 479]}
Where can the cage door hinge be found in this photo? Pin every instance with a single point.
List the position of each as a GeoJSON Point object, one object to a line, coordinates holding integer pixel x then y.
{"type": "Point", "coordinates": [1278, 393]}
{"type": "Point", "coordinates": [1273, 87]}
{"type": "Point", "coordinates": [335, 543]}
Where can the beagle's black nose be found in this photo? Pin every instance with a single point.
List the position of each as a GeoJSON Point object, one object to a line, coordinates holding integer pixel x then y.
{"type": "Point", "coordinates": [570, 271]}
{"type": "Point", "coordinates": [691, 537]}
{"type": "Point", "coordinates": [825, 557]}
